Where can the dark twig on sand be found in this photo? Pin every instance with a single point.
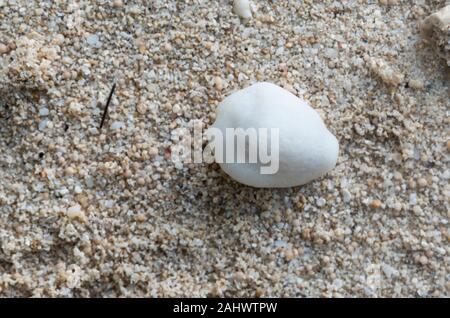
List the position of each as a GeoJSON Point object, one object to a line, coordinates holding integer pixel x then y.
{"type": "Point", "coordinates": [105, 112]}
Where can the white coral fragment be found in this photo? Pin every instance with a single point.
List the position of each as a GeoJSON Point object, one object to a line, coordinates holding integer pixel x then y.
{"type": "Point", "coordinates": [436, 30]}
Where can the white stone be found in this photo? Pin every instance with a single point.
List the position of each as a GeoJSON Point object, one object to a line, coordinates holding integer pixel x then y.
{"type": "Point", "coordinates": [346, 195]}
{"type": "Point", "coordinates": [43, 124]}
{"type": "Point", "coordinates": [93, 40]}
{"type": "Point", "coordinates": [75, 211]}
{"type": "Point", "coordinates": [321, 202]}
{"type": "Point", "coordinates": [307, 150]}
{"type": "Point", "coordinates": [242, 8]}
{"type": "Point", "coordinates": [77, 189]}
{"type": "Point", "coordinates": [389, 271]}
{"type": "Point", "coordinates": [75, 108]}
{"type": "Point", "coordinates": [43, 112]}
{"type": "Point", "coordinates": [117, 125]}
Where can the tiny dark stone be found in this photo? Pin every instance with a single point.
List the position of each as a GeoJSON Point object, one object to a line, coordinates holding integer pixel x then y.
{"type": "Point", "coordinates": [430, 164]}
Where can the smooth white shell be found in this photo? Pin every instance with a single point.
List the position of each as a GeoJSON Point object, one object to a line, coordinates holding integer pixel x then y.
{"type": "Point", "coordinates": [307, 150]}
{"type": "Point", "coordinates": [242, 8]}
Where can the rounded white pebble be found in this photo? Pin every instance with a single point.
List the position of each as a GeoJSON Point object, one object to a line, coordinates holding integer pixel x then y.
{"type": "Point", "coordinates": [117, 125]}
{"type": "Point", "coordinates": [321, 202]}
{"type": "Point", "coordinates": [43, 124]}
{"type": "Point", "coordinates": [242, 8]}
{"type": "Point", "coordinates": [74, 212]}
{"type": "Point", "coordinates": [346, 196]}
{"type": "Point", "coordinates": [307, 150]}
{"type": "Point", "coordinates": [93, 40]}
{"type": "Point", "coordinates": [43, 112]}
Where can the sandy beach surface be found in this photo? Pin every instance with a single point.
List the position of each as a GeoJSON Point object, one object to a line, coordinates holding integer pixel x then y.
{"type": "Point", "coordinates": [105, 213]}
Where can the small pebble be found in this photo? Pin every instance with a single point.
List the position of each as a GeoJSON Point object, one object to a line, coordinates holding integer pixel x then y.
{"type": "Point", "coordinates": [423, 260]}
{"type": "Point", "coordinates": [375, 204]}
{"type": "Point", "coordinates": [167, 47]}
{"type": "Point", "coordinates": [117, 125]}
{"type": "Point", "coordinates": [289, 255]}
{"type": "Point", "coordinates": [398, 176]}
{"type": "Point", "coordinates": [3, 48]}
{"type": "Point", "coordinates": [66, 75]}
{"type": "Point", "coordinates": [218, 83]}
{"type": "Point", "coordinates": [239, 277]}
{"type": "Point", "coordinates": [242, 8]}
{"type": "Point", "coordinates": [260, 293]}
{"type": "Point", "coordinates": [209, 45]}
{"type": "Point", "coordinates": [417, 210]}
{"type": "Point", "coordinates": [346, 195]}
{"type": "Point", "coordinates": [153, 151]}
{"type": "Point", "coordinates": [389, 271]}
{"type": "Point", "coordinates": [422, 182]}
{"type": "Point", "coordinates": [321, 202]}
{"type": "Point", "coordinates": [43, 124]}
{"type": "Point", "coordinates": [43, 112]}
{"type": "Point", "coordinates": [141, 108]}
{"type": "Point", "coordinates": [412, 198]}
{"type": "Point", "coordinates": [385, 72]}
{"type": "Point", "coordinates": [93, 40]}
{"type": "Point", "coordinates": [75, 109]}
{"type": "Point", "coordinates": [140, 217]}
{"type": "Point", "coordinates": [416, 84]}
{"type": "Point", "coordinates": [75, 212]}
{"type": "Point", "coordinates": [398, 206]}
{"type": "Point", "coordinates": [70, 171]}
{"type": "Point", "coordinates": [117, 3]}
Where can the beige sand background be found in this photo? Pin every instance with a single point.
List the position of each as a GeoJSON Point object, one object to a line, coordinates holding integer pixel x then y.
{"type": "Point", "coordinates": [105, 213]}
